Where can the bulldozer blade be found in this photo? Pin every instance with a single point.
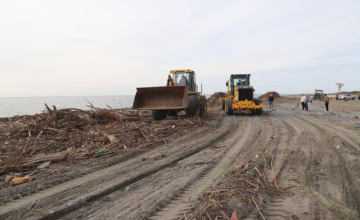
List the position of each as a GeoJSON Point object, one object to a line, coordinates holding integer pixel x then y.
{"type": "Point", "coordinates": [161, 98]}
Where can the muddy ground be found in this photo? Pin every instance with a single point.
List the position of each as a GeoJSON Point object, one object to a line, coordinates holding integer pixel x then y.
{"type": "Point", "coordinates": [317, 151]}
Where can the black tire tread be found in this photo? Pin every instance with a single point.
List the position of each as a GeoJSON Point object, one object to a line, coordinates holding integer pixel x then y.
{"type": "Point", "coordinates": [222, 104]}
{"type": "Point", "coordinates": [193, 101]}
{"type": "Point", "coordinates": [230, 110]}
{"type": "Point", "coordinates": [258, 111]}
{"type": "Point", "coordinates": [159, 114]}
{"type": "Point", "coordinates": [203, 105]}
{"type": "Point", "coordinates": [171, 113]}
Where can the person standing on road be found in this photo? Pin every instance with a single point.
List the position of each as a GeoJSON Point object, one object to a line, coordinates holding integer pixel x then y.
{"type": "Point", "coordinates": [303, 100]}
{"type": "Point", "coordinates": [327, 102]}
{"type": "Point", "coordinates": [271, 101]}
{"type": "Point", "coordinates": [337, 97]}
{"type": "Point", "coordinates": [308, 102]}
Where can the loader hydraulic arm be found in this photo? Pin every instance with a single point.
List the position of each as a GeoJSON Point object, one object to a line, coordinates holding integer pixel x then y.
{"type": "Point", "coordinates": [228, 88]}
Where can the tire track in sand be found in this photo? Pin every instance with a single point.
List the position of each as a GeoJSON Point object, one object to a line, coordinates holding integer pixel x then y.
{"type": "Point", "coordinates": [147, 195]}
{"type": "Point", "coordinates": [242, 142]}
{"type": "Point", "coordinates": [312, 153]}
{"type": "Point", "coordinates": [175, 208]}
{"type": "Point", "coordinates": [285, 166]}
{"type": "Point", "coordinates": [339, 193]}
{"type": "Point", "coordinates": [74, 194]}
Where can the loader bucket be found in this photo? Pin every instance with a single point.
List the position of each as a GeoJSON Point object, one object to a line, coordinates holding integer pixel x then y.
{"type": "Point", "coordinates": [161, 98]}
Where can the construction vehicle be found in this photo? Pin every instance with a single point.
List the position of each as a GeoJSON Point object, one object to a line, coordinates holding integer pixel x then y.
{"type": "Point", "coordinates": [319, 95]}
{"type": "Point", "coordinates": [240, 96]}
{"type": "Point", "coordinates": [180, 93]}
{"type": "Point", "coordinates": [222, 100]}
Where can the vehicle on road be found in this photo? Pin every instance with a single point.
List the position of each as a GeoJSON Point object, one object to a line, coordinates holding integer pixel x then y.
{"type": "Point", "coordinates": [180, 93]}
{"type": "Point", "coordinates": [241, 96]}
{"type": "Point", "coordinates": [348, 97]}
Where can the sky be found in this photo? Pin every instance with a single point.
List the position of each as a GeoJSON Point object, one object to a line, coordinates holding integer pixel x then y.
{"type": "Point", "coordinates": [83, 48]}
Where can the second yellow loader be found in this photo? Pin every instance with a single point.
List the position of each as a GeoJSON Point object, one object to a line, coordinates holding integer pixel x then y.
{"type": "Point", "coordinates": [240, 96]}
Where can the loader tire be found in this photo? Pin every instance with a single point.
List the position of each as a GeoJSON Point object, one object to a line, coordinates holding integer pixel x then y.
{"type": "Point", "coordinates": [171, 113]}
{"type": "Point", "coordinates": [159, 114]}
{"type": "Point", "coordinates": [230, 110]}
{"type": "Point", "coordinates": [203, 105]}
{"type": "Point", "coordinates": [193, 108]}
{"type": "Point", "coordinates": [258, 111]}
{"type": "Point", "coordinates": [222, 104]}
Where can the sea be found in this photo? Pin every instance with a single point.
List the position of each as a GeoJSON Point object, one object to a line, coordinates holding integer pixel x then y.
{"type": "Point", "coordinates": [12, 106]}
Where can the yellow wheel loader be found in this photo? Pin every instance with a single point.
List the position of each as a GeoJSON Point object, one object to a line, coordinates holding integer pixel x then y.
{"type": "Point", "coordinates": [180, 93]}
{"type": "Point", "coordinates": [241, 96]}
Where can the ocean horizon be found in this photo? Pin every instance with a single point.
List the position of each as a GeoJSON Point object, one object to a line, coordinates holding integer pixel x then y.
{"type": "Point", "coordinates": [13, 106]}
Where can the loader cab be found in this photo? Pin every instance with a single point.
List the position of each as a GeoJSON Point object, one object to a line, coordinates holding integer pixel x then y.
{"type": "Point", "coordinates": [185, 78]}
{"type": "Point", "coordinates": [239, 80]}
{"type": "Point", "coordinates": [240, 87]}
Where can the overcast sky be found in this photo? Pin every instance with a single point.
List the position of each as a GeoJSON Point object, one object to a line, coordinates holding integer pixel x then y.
{"type": "Point", "coordinates": [62, 48]}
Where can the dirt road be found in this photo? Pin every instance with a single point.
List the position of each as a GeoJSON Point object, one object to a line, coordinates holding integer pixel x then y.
{"type": "Point", "coordinates": [323, 161]}
{"type": "Point", "coordinates": [320, 157]}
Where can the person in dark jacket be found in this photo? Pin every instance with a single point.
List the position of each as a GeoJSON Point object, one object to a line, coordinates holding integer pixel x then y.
{"type": "Point", "coordinates": [271, 101]}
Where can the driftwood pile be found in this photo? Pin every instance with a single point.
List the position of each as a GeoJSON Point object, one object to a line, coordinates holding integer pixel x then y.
{"type": "Point", "coordinates": [266, 95]}
{"type": "Point", "coordinates": [214, 99]}
{"type": "Point", "coordinates": [240, 192]}
{"type": "Point", "coordinates": [75, 135]}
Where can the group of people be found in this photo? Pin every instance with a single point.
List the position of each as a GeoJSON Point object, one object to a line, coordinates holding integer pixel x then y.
{"type": "Point", "coordinates": [306, 101]}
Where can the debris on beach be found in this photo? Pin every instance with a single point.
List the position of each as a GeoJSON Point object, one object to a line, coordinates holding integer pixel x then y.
{"type": "Point", "coordinates": [241, 191]}
{"type": "Point", "coordinates": [266, 95]}
{"type": "Point", "coordinates": [214, 99]}
{"type": "Point", "coordinates": [73, 135]}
